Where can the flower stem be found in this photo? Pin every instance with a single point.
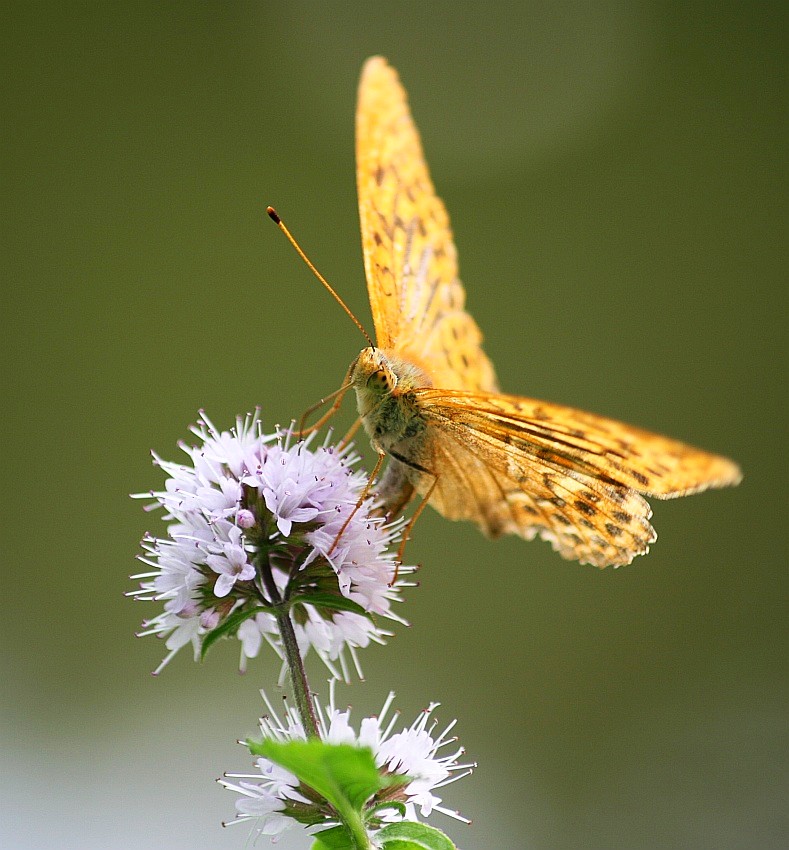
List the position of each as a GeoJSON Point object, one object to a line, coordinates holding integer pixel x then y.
{"type": "Point", "coordinates": [293, 659]}
{"type": "Point", "coordinates": [298, 677]}
{"type": "Point", "coordinates": [354, 825]}
{"type": "Point", "coordinates": [301, 692]}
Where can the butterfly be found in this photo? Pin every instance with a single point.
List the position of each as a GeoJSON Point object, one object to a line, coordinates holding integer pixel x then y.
{"type": "Point", "coordinates": [429, 400]}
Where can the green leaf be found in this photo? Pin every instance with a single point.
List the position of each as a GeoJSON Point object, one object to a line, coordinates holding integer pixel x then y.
{"type": "Point", "coordinates": [229, 626]}
{"type": "Point", "coordinates": [344, 775]}
{"type": "Point", "coordinates": [331, 602]}
{"type": "Point", "coordinates": [336, 838]}
{"type": "Point", "coordinates": [408, 835]}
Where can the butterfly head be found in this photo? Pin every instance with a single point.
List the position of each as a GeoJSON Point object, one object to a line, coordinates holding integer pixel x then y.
{"type": "Point", "coordinates": [383, 382]}
{"type": "Point", "coordinates": [373, 376]}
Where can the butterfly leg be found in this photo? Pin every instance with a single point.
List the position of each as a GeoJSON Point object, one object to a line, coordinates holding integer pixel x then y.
{"type": "Point", "coordinates": [365, 493]}
{"type": "Point", "coordinates": [337, 395]}
{"type": "Point", "coordinates": [349, 434]}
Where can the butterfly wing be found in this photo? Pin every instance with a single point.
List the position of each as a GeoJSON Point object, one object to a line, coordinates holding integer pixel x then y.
{"type": "Point", "coordinates": [410, 261]}
{"type": "Point", "coordinates": [510, 464]}
{"type": "Point", "coordinates": [516, 465]}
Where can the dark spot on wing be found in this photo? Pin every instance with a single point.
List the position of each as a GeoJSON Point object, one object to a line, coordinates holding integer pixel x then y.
{"type": "Point", "coordinates": [585, 508]}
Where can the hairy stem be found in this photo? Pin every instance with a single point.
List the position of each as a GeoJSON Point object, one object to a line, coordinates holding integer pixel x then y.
{"type": "Point", "coordinates": [298, 677]}
{"type": "Point", "coordinates": [293, 659]}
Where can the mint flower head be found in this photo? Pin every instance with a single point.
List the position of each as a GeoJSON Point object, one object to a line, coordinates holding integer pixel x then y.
{"type": "Point", "coordinates": [254, 524]}
{"type": "Point", "coordinates": [413, 762]}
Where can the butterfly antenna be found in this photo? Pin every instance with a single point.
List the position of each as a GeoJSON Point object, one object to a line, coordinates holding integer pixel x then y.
{"type": "Point", "coordinates": [272, 213]}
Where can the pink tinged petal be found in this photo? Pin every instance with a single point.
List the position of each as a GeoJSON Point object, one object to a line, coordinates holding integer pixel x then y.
{"type": "Point", "coordinates": [218, 563]}
{"type": "Point", "coordinates": [277, 824]}
{"type": "Point", "coordinates": [251, 638]}
{"type": "Point", "coordinates": [224, 584]}
{"type": "Point", "coordinates": [270, 499]}
{"type": "Point", "coordinates": [184, 632]}
{"type": "Point", "coordinates": [185, 611]}
{"type": "Point", "coordinates": [238, 562]}
{"type": "Point", "coordinates": [209, 619]}
{"type": "Point", "coordinates": [247, 573]}
{"type": "Point", "coordinates": [259, 806]}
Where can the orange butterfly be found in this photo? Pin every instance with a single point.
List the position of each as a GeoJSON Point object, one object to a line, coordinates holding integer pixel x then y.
{"type": "Point", "coordinates": [428, 397]}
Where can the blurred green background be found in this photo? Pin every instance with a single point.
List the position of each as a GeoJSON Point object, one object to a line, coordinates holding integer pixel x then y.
{"type": "Point", "coordinates": [613, 171]}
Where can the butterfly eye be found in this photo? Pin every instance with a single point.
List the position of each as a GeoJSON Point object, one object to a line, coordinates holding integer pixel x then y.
{"type": "Point", "coordinates": [379, 379]}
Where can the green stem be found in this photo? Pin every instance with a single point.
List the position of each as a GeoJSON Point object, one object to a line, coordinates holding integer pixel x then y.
{"type": "Point", "coordinates": [301, 690]}
{"type": "Point", "coordinates": [298, 677]}
{"type": "Point", "coordinates": [293, 659]}
{"type": "Point", "coordinates": [354, 825]}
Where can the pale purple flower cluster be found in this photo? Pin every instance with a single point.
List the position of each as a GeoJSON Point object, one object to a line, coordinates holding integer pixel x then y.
{"type": "Point", "coordinates": [266, 795]}
{"type": "Point", "coordinates": [245, 495]}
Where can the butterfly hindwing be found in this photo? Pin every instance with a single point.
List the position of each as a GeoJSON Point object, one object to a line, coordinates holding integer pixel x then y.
{"type": "Point", "coordinates": [571, 477]}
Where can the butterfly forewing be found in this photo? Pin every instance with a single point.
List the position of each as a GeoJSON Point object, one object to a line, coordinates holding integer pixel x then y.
{"type": "Point", "coordinates": [410, 260]}
{"type": "Point", "coordinates": [600, 447]}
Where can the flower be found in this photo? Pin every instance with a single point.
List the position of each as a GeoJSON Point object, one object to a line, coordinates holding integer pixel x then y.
{"type": "Point", "coordinates": [232, 564]}
{"type": "Point", "coordinates": [257, 520]}
{"type": "Point", "coordinates": [272, 799]}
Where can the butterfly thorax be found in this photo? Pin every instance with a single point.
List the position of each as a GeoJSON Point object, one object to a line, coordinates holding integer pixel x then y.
{"type": "Point", "coordinates": [384, 385]}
